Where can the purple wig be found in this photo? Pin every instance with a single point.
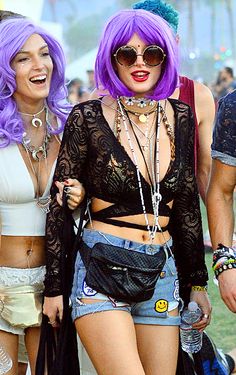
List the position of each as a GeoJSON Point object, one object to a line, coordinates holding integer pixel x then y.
{"type": "Point", "coordinates": [152, 29]}
{"type": "Point", "coordinates": [13, 35]}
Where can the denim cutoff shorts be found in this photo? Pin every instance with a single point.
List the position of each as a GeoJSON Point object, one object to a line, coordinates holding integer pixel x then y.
{"type": "Point", "coordinates": [153, 311]}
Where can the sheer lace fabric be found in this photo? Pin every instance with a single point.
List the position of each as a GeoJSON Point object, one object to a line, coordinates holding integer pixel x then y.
{"type": "Point", "coordinates": [91, 153]}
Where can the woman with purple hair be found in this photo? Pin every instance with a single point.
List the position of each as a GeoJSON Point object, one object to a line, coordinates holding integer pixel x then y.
{"type": "Point", "coordinates": [133, 151]}
{"type": "Point", "coordinates": [33, 111]}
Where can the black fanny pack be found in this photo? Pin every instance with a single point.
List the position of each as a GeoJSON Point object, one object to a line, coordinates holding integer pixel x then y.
{"type": "Point", "coordinates": [122, 274]}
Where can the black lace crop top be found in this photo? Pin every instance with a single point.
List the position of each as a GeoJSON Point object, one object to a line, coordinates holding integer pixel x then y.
{"type": "Point", "coordinates": [91, 153]}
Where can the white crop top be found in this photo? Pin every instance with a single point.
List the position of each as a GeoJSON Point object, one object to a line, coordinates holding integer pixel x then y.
{"type": "Point", "coordinates": [20, 214]}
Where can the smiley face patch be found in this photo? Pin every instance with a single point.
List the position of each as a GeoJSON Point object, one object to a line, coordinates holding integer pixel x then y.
{"type": "Point", "coordinates": [161, 305]}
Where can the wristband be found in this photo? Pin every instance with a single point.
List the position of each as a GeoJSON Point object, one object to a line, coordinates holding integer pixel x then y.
{"type": "Point", "coordinates": [224, 258]}
{"type": "Point", "coordinates": [199, 288]}
{"type": "Point", "coordinates": [224, 268]}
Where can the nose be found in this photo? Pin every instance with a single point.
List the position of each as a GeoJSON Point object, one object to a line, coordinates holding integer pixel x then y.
{"type": "Point", "coordinates": [37, 62]}
{"type": "Point", "coordinates": [139, 60]}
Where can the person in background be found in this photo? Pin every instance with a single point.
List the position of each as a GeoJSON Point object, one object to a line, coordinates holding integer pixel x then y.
{"type": "Point", "coordinates": [33, 111]}
{"type": "Point", "coordinates": [220, 200]}
{"type": "Point", "coordinates": [195, 94]}
{"type": "Point", "coordinates": [111, 145]}
{"type": "Point", "coordinates": [91, 81]}
{"type": "Point", "coordinates": [76, 91]}
{"type": "Point", "coordinates": [225, 83]}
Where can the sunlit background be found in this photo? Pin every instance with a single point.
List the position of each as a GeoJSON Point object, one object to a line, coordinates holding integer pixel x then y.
{"type": "Point", "coordinates": [206, 28]}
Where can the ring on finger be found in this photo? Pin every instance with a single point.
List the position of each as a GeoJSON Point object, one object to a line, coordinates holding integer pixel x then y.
{"type": "Point", "coordinates": [67, 190]}
{"type": "Point", "coordinates": [206, 316]}
{"type": "Point", "coordinates": [53, 322]}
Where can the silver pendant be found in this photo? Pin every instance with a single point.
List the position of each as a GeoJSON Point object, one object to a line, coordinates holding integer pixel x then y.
{"type": "Point", "coordinates": [43, 204]}
{"type": "Point", "coordinates": [36, 122]}
{"type": "Point", "coordinates": [39, 153]}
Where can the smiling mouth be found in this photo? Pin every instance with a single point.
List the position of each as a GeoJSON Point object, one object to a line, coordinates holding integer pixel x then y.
{"type": "Point", "coordinates": [140, 76]}
{"type": "Point", "coordinates": [38, 80]}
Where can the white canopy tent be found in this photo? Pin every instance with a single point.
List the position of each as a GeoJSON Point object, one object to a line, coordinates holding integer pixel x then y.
{"type": "Point", "coordinates": [78, 68]}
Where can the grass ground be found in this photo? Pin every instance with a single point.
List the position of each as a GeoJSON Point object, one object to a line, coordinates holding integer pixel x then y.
{"type": "Point", "coordinates": [223, 324]}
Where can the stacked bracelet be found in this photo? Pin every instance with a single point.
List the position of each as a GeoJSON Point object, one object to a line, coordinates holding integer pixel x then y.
{"type": "Point", "coordinates": [199, 288]}
{"type": "Point", "coordinates": [224, 258]}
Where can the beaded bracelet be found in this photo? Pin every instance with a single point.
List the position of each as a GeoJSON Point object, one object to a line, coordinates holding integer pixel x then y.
{"type": "Point", "coordinates": [224, 268]}
{"type": "Point", "coordinates": [199, 288]}
{"type": "Point", "coordinates": [224, 258]}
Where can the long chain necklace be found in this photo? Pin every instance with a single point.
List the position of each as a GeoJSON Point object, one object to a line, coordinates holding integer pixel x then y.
{"type": "Point", "coordinates": [155, 191]}
{"type": "Point", "coordinates": [42, 202]}
{"type": "Point", "coordinates": [36, 121]}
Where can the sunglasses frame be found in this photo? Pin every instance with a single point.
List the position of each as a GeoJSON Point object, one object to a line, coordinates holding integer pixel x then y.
{"type": "Point", "coordinates": [139, 54]}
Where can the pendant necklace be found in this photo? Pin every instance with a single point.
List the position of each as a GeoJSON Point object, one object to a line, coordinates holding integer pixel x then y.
{"type": "Point", "coordinates": [42, 202]}
{"type": "Point", "coordinates": [36, 121]}
{"type": "Point", "coordinates": [40, 152]}
{"type": "Point", "coordinates": [140, 107]}
{"type": "Point", "coordinates": [155, 191]}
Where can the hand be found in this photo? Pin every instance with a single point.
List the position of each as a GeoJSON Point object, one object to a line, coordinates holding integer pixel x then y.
{"type": "Point", "coordinates": [75, 194]}
{"type": "Point", "coordinates": [53, 308]}
{"type": "Point", "coordinates": [227, 285]}
{"type": "Point", "coordinates": [202, 299]}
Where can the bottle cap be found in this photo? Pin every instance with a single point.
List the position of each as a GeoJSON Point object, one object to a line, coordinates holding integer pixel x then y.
{"type": "Point", "coordinates": [192, 306]}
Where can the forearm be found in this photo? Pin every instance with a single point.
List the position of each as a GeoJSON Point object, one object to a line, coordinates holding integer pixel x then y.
{"type": "Point", "coordinates": [220, 217]}
{"type": "Point", "coordinates": [202, 183]}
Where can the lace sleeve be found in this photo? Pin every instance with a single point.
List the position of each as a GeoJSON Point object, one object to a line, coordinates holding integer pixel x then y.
{"type": "Point", "coordinates": [186, 224]}
{"type": "Point", "coordinates": [70, 164]}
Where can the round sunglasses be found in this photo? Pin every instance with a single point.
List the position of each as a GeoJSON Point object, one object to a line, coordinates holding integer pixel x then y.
{"type": "Point", "coordinates": [152, 55]}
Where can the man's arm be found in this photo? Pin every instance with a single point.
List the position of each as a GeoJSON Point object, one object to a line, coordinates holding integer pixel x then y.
{"type": "Point", "coordinates": [205, 112]}
{"type": "Point", "coordinates": [220, 203]}
{"type": "Point", "coordinates": [221, 222]}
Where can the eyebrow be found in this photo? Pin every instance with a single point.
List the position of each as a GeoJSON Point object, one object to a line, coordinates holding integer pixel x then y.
{"type": "Point", "coordinates": [23, 51]}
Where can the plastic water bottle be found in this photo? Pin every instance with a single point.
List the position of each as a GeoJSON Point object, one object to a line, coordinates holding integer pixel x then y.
{"type": "Point", "coordinates": [5, 361]}
{"type": "Point", "coordinates": [191, 339]}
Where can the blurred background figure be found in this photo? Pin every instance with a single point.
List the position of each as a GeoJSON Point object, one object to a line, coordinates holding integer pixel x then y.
{"type": "Point", "coordinates": [77, 93]}
{"type": "Point", "coordinates": [91, 81]}
{"type": "Point", "coordinates": [225, 83]}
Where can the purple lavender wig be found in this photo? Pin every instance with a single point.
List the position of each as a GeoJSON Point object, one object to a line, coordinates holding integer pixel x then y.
{"type": "Point", "coordinates": [13, 35]}
{"type": "Point", "coordinates": [152, 29]}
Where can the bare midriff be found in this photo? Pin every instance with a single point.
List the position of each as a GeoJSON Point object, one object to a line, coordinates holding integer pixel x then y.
{"type": "Point", "coordinates": [22, 251]}
{"type": "Point", "coordinates": [132, 234]}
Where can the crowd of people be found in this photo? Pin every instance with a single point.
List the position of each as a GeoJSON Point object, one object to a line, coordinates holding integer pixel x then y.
{"type": "Point", "coordinates": [126, 160]}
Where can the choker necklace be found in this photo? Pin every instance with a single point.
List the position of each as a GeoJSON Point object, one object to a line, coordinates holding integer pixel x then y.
{"type": "Point", "coordinates": [36, 121]}
{"type": "Point", "coordinates": [139, 102]}
{"type": "Point", "coordinates": [140, 107]}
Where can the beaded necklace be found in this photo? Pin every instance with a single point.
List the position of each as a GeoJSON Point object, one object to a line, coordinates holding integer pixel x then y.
{"type": "Point", "coordinates": [155, 186]}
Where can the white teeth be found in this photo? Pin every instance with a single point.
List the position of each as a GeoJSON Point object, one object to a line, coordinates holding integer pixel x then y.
{"type": "Point", "coordinates": [39, 78]}
{"type": "Point", "coordinates": [141, 74]}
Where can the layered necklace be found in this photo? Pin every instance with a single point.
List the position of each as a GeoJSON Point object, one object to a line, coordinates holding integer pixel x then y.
{"type": "Point", "coordinates": [155, 181]}
{"type": "Point", "coordinates": [153, 146]}
{"type": "Point", "coordinates": [41, 151]}
{"type": "Point", "coordinates": [140, 107]}
{"type": "Point", "coordinates": [37, 154]}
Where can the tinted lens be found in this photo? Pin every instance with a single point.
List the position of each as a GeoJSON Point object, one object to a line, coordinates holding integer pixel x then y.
{"type": "Point", "coordinates": [126, 56]}
{"type": "Point", "coordinates": [153, 55]}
